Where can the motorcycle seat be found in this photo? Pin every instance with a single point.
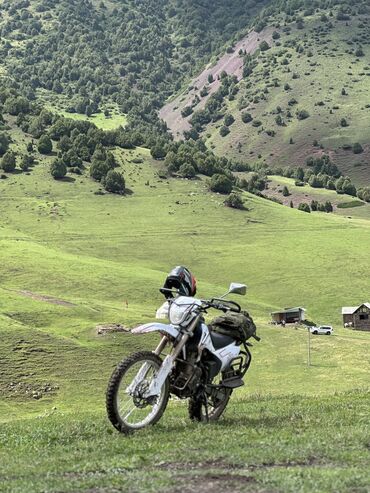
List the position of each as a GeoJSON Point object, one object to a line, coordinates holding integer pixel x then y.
{"type": "Point", "coordinates": [219, 340]}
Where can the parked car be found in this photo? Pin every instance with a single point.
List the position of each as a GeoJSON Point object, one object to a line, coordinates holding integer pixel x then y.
{"type": "Point", "coordinates": [322, 329]}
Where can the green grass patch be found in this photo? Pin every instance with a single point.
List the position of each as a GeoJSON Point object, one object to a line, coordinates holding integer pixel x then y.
{"type": "Point", "coordinates": [351, 204]}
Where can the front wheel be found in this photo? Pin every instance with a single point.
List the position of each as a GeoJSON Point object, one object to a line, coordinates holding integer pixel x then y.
{"type": "Point", "coordinates": [216, 405]}
{"type": "Point", "coordinates": [128, 406]}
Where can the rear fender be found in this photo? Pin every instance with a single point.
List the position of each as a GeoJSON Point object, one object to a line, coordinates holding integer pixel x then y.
{"type": "Point", "coordinates": [156, 327]}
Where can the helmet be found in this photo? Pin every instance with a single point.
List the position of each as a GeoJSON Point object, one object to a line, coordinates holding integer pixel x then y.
{"type": "Point", "coordinates": [182, 279]}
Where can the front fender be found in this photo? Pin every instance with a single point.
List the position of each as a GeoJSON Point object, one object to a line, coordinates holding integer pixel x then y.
{"type": "Point", "coordinates": [156, 327]}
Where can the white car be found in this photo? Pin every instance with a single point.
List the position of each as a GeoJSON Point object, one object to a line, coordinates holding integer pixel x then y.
{"type": "Point", "coordinates": [322, 329]}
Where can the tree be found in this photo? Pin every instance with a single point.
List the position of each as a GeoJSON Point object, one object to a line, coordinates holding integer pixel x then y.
{"type": "Point", "coordinates": [246, 117]}
{"type": "Point", "coordinates": [359, 52]}
{"type": "Point", "coordinates": [328, 206]}
{"type": "Point", "coordinates": [286, 191]}
{"type": "Point", "coordinates": [229, 120]}
{"type": "Point", "coordinates": [224, 131]}
{"type": "Point", "coordinates": [304, 207]}
{"type": "Point", "coordinates": [279, 121]}
{"type": "Point", "coordinates": [45, 145]}
{"type": "Point", "coordinates": [158, 151]}
{"type": "Point", "coordinates": [187, 170]}
{"type": "Point", "coordinates": [4, 144]}
{"type": "Point", "coordinates": [302, 114]}
{"type": "Point", "coordinates": [210, 78]}
{"type": "Point", "coordinates": [58, 169]}
{"type": "Point", "coordinates": [357, 148]}
{"type": "Point", "coordinates": [8, 162]}
{"type": "Point", "coordinates": [114, 182]}
{"type": "Point", "coordinates": [300, 173]}
{"type": "Point", "coordinates": [343, 122]}
{"type": "Point", "coordinates": [349, 188]}
{"type": "Point", "coordinates": [221, 184]}
{"type": "Point", "coordinates": [314, 205]}
{"type": "Point", "coordinates": [264, 46]}
{"type": "Point", "coordinates": [26, 162]}
{"type": "Point", "coordinates": [235, 201]}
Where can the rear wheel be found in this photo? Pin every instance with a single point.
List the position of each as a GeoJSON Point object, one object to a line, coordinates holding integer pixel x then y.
{"type": "Point", "coordinates": [128, 406]}
{"type": "Point", "coordinates": [328, 333]}
{"type": "Point", "coordinates": [216, 405]}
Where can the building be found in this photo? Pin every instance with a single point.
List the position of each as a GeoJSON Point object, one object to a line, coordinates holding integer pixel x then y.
{"type": "Point", "coordinates": [357, 317]}
{"type": "Point", "coordinates": [289, 315]}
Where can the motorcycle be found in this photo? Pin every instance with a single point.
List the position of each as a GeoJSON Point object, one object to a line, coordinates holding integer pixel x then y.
{"type": "Point", "coordinates": [205, 363]}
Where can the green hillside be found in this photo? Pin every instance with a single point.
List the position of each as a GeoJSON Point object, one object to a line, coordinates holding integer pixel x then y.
{"type": "Point", "coordinates": [72, 260]}
{"type": "Point", "coordinates": [306, 92]}
{"type": "Point", "coordinates": [98, 202]}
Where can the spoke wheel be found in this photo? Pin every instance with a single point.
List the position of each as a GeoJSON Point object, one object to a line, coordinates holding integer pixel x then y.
{"type": "Point", "coordinates": [216, 405]}
{"type": "Point", "coordinates": [128, 406]}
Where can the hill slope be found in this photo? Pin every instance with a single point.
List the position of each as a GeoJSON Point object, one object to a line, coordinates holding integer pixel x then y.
{"type": "Point", "coordinates": [307, 92]}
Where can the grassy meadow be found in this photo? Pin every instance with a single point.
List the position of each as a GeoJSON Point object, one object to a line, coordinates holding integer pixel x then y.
{"type": "Point", "coordinates": [72, 259]}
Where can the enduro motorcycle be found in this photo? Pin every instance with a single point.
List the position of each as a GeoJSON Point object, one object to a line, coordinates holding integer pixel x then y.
{"type": "Point", "coordinates": [205, 363]}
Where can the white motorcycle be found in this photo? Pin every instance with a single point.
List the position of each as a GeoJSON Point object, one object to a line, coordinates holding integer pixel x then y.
{"type": "Point", "coordinates": [205, 363]}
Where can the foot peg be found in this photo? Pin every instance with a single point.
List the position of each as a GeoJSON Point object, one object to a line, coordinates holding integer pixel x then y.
{"type": "Point", "coordinates": [232, 383]}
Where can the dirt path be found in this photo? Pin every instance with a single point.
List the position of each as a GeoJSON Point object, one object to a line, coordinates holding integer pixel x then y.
{"type": "Point", "coordinates": [231, 63]}
{"type": "Point", "coordinates": [46, 299]}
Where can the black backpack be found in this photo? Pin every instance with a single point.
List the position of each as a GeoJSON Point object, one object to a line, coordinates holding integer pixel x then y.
{"type": "Point", "coordinates": [239, 326]}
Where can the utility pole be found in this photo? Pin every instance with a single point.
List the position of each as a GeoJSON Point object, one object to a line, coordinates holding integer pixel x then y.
{"type": "Point", "coordinates": [309, 347]}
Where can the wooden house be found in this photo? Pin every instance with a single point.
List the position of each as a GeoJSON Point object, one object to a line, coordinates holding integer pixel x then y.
{"type": "Point", "coordinates": [289, 315]}
{"type": "Point", "coordinates": [357, 317]}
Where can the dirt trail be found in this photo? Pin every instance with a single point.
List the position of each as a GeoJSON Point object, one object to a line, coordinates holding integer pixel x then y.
{"type": "Point", "coordinates": [231, 63]}
{"type": "Point", "coordinates": [47, 299]}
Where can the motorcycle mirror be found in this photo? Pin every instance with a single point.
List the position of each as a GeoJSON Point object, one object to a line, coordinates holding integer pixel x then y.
{"type": "Point", "coordinates": [236, 288]}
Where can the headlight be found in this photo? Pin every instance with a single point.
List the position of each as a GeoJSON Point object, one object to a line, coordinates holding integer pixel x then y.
{"type": "Point", "coordinates": [178, 313]}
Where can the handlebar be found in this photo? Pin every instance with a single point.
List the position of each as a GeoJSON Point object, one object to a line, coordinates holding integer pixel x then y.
{"type": "Point", "coordinates": [222, 305]}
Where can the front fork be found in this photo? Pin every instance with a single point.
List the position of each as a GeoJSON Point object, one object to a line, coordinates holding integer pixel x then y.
{"type": "Point", "coordinates": [169, 360]}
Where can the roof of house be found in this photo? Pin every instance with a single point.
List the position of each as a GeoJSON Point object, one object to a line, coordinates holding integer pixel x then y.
{"type": "Point", "coordinates": [350, 310]}
{"type": "Point", "coordinates": [290, 310]}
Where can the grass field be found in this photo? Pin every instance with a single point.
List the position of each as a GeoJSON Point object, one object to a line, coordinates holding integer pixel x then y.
{"type": "Point", "coordinates": [71, 259]}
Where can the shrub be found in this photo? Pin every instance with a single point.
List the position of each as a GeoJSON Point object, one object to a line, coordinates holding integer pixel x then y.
{"type": "Point", "coordinates": [257, 123]}
{"type": "Point", "coordinates": [114, 182]}
{"type": "Point", "coordinates": [26, 162]}
{"type": "Point", "coordinates": [246, 117]}
{"type": "Point", "coordinates": [221, 184]}
{"type": "Point", "coordinates": [235, 201]}
{"type": "Point", "coordinates": [286, 192]}
{"type": "Point", "coordinates": [58, 169]}
{"type": "Point", "coordinates": [224, 131]}
{"type": "Point", "coordinates": [45, 145]}
{"type": "Point", "coordinates": [229, 120]}
{"type": "Point", "coordinates": [357, 148]}
{"type": "Point", "coordinates": [302, 114]}
{"type": "Point", "coordinates": [343, 123]}
{"type": "Point", "coordinates": [304, 207]}
{"type": "Point", "coordinates": [349, 188]}
{"type": "Point", "coordinates": [8, 162]}
{"type": "Point", "coordinates": [187, 111]}
{"type": "Point", "coordinates": [4, 144]}
{"type": "Point", "coordinates": [187, 170]}
{"type": "Point", "coordinates": [158, 151]}
{"type": "Point", "coordinates": [279, 121]}
{"type": "Point", "coordinates": [264, 46]}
